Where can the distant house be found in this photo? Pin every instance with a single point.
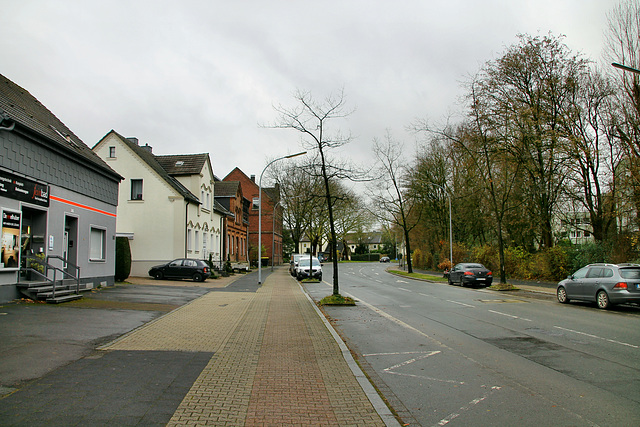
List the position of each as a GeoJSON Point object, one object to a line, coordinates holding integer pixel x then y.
{"type": "Point", "coordinates": [271, 217]}
{"type": "Point", "coordinates": [229, 195]}
{"type": "Point", "coordinates": [166, 204]}
{"type": "Point", "coordinates": [57, 197]}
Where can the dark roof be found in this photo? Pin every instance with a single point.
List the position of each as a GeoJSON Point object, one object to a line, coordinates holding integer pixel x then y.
{"type": "Point", "coordinates": [183, 164]}
{"type": "Point", "coordinates": [226, 188]}
{"type": "Point", "coordinates": [148, 157]}
{"type": "Point", "coordinates": [221, 209]}
{"type": "Point", "coordinates": [18, 106]}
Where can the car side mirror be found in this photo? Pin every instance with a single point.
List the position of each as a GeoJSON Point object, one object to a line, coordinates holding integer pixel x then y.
{"type": "Point", "coordinates": [570, 277]}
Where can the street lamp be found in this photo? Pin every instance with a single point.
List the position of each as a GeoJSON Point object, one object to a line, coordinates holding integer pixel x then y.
{"type": "Point", "coordinates": [260, 211]}
{"type": "Point", "coordinates": [450, 228]}
{"type": "Point", "coordinates": [624, 67]}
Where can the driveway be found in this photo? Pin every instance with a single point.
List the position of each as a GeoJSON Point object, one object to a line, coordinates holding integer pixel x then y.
{"type": "Point", "coordinates": [38, 337]}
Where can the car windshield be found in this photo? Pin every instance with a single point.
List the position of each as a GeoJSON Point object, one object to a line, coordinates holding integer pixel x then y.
{"type": "Point", "coordinates": [305, 262]}
{"type": "Point", "coordinates": [630, 273]}
{"type": "Point", "coordinates": [475, 266]}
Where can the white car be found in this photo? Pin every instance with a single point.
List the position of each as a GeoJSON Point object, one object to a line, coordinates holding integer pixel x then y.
{"type": "Point", "coordinates": [308, 269]}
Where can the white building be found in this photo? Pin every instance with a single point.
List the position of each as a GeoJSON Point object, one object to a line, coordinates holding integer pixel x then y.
{"type": "Point", "coordinates": [166, 203]}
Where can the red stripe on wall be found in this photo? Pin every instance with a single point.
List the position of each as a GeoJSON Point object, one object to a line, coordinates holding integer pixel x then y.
{"type": "Point", "coordinates": [69, 202]}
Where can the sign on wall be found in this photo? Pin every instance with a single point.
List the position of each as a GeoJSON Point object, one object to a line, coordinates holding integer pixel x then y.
{"type": "Point", "coordinates": [23, 189]}
{"type": "Point", "coordinates": [10, 239]}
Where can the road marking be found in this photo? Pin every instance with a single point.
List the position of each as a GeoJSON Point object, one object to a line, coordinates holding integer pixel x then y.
{"type": "Point", "coordinates": [510, 315]}
{"type": "Point", "coordinates": [461, 303]}
{"type": "Point", "coordinates": [467, 407]}
{"type": "Point", "coordinates": [406, 290]}
{"type": "Point", "coordinates": [401, 281]}
{"type": "Point", "coordinates": [597, 337]}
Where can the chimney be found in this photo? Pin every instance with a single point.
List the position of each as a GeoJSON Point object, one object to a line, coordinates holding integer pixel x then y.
{"type": "Point", "coordinates": [133, 139]}
{"type": "Point", "coordinates": [253, 178]}
{"type": "Point", "coordinates": [148, 148]}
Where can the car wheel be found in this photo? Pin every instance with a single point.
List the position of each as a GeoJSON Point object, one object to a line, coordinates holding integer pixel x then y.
{"type": "Point", "coordinates": [602, 299]}
{"type": "Point", "coordinates": [158, 275]}
{"type": "Point", "coordinates": [450, 282]}
{"type": "Point", "coordinates": [299, 278]}
{"type": "Point", "coordinates": [197, 277]}
{"type": "Point", "coordinates": [561, 294]}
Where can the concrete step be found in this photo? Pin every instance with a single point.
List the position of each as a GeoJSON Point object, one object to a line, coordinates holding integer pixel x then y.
{"type": "Point", "coordinates": [63, 298]}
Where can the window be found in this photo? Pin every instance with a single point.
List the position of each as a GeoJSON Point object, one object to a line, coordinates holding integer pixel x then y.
{"type": "Point", "coordinates": [97, 241]}
{"type": "Point", "coordinates": [112, 152]}
{"type": "Point", "coordinates": [256, 202]}
{"type": "Point", "coordinates": [189, 240]}
{"type": "Point", "coordinates": [197, 246]}
{"type": "Point", "coordinates": [136, 189]}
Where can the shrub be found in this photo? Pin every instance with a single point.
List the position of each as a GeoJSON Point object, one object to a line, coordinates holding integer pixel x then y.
{"type": "Point", "coordinates": [123, 259]}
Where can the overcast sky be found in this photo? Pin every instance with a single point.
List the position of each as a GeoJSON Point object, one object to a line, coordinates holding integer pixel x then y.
{"type": "Point", "coordinates": [201, 76]}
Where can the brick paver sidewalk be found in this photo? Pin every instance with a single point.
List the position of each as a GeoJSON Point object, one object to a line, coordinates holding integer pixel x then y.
{"type": "Point", "coordinates": [274, 363]}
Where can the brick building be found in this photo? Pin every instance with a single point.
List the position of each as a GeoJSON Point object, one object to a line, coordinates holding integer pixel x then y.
{"type": "Point", "coordinates": [271, 217]}
{"type": "Point", "coordinates": [230, 195]}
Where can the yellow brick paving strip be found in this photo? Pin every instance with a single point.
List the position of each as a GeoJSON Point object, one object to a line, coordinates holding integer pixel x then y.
{"type": "Point", "coordinates": [202, 325]}
{"type": "Point", "coordinates": [220, 395]}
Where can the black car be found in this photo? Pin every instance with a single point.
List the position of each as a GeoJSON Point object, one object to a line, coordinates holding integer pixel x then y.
{"type": "Point", "coordinates": [470, 274]}
{"type": "Point", "coordinates": [183, 268]}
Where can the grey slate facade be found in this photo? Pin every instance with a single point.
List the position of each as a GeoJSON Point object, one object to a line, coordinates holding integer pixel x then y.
{"type": "Point", "coordinates": [75, 215]}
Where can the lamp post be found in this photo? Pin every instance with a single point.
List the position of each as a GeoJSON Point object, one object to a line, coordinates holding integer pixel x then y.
{"type": "Point", "coordinates": [624, 67]}
{"type": "Point", "coordinates": [260, 211]}
{"type": "Point", "coordinates": [450, 228]}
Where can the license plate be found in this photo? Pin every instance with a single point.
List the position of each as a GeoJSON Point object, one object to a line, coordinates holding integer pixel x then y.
{"type": "Point", "coordinates": [480, 278]}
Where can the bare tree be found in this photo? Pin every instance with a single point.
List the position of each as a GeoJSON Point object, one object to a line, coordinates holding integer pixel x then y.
{"type": "Point", "coordinates": [313, 120]}
{"type": "Point", "coordinates": [623, 47]}
{"type": "Point", "coordinates": [390, 199]}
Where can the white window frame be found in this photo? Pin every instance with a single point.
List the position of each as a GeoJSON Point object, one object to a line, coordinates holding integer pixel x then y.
{"type": "Point", "coordinates": [97, 250]}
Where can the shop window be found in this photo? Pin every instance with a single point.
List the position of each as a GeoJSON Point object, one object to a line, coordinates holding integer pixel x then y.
{"type": "Point", "coordinates": [97, 244]}
{"type": "Point", "coordinates": [136, 189]}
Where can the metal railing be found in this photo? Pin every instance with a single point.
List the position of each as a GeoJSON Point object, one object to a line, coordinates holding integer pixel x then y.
{"type": "Point", "coordinates": [45, 268]}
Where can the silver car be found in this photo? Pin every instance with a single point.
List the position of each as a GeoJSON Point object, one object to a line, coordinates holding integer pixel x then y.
{"type": "Point", "coordinates": [604, 284]}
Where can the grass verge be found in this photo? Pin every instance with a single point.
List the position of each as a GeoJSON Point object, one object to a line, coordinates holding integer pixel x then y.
{"type": "Point", "coordinates": [337, 300]}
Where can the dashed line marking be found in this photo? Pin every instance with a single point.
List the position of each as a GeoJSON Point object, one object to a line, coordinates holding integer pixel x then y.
{"type": "Point", "coordinates": [406, 290]}
{"type": "Point", "coordinates": [509, 315]}
{"type": "Point", "coordinates": [597, 337]}
{"type": "Point", "coordinates": [461, 303]}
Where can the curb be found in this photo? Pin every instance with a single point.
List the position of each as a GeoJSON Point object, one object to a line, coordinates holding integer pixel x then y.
{"type": "Point", "coordinates": [381, 408]}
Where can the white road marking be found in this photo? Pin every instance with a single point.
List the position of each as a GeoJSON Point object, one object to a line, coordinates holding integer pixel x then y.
{"type": "Point", "coordinates": [510, 315]}
{"type": "Point", "coordinates": [401, 281]}
{"type": "Point", "coordinates": [406, 290]}
{"type": "Point", "coordinates": [597, 337]}
{"type": "Point", "coordinates": [461, 303]}
{"type": "Point", "coordinates": [467, 407]}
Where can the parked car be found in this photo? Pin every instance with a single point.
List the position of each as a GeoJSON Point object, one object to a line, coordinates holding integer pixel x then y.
{"type": "Point", "coordinates": [293, 263]}
{"type": "Point", "coordinates": [303, 271]}
{"type": "Point", "coordinates": [384, 259]}
{"type": "Point", "coordinates": [467, 273]}
{"type": "Point", "coordinates": [604, 284]}
{"type": "Point", "coordinates": [183, 268]}
{"type": "Point", "coordinates": [321, 258]}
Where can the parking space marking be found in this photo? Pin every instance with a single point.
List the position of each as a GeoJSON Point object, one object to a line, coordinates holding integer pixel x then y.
{"type": "Point", "coordinates": [446, 420]}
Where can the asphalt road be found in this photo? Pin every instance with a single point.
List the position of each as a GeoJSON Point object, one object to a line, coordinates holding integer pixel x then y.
{"type": "Point", "coordinates": [445, 355]}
